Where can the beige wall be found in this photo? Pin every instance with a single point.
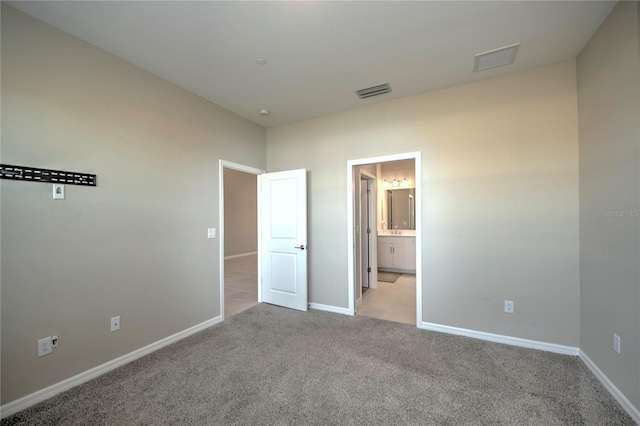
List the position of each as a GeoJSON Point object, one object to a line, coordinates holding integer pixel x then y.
{"type": "Point", "coordinates": [133, 246]}
{"type": "Point", "coordinates": [398, 170]}
{"type": "Point", "coordinates": [609, 117]}
{"type": "Point", "coordinates": [500, 201]}
{"type": "Point", "coordinates": [240, 212]}
{"type": "Point", "coordinates": [500, 198]}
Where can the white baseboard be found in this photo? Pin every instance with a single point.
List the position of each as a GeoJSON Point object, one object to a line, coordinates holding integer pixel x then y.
{"type": "Point", "coordinates": [548, 347]}
{"type": "Point", "coordinates": [498, 338]}
{"type": "Point", "coordinates": [329, 308]}
{"type": "Point", "coordinates": [613, 390]}
{"type": "Point", "coordinates": [240, 255]}
{"type": "Point", "coordinates": [46, 393]}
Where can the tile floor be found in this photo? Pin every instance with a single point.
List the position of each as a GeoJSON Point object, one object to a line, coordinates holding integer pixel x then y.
{"type": "Point", "coordinates": [391, 301]}
{"type": "Point", "coordinates": [240, 284]}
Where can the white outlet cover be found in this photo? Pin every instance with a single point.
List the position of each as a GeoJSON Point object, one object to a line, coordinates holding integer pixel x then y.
{"type": "Point", "coordinates": [508, 306]}
{"type": "Point", "coordinates": [58, 191]}
{"type": "Point", "coordinates": [211, 232]}
{"type": "Point", "coordinates": [115, 323]}
{"type": "Point", "coordinates": [45, 346]}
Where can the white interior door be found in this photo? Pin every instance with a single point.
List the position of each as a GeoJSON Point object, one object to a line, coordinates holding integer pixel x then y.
{"type": "Point", "coordinates": [283, 220]}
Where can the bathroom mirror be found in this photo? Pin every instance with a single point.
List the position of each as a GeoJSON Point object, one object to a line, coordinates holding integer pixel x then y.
{"type": "Point", "coordinates": [401, 208]}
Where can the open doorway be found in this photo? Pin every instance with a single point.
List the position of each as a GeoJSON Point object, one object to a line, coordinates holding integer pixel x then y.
{"type": "Point", "coordinates": [394, 226]}
{"type": "Point", "coordinates": [239, 287]}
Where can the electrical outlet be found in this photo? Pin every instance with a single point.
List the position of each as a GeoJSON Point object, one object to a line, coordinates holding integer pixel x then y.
{"type": "Point", "coordinates": [45, 346]}
{"type": "Point", "coordinates": [508, 306]}
{"type": "Point", "coordinates": [115, 323]}
{"type": "Point", "coordinates": [211, 232]}
{"type": "Point", "coordinates": [616, 343]}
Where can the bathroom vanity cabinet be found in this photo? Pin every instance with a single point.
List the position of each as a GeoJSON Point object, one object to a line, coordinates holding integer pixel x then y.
{"type": "Point", "coordinates": [397, 253]}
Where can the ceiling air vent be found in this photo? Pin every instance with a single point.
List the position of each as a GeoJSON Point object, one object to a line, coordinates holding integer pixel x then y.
{"type": "Point", "coordinates": [495, 58]}
{"type": "Point", "coordinates": [373, 91]}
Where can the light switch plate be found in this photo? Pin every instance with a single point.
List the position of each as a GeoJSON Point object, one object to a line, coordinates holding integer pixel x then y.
{"type": "Point", "coordinates": [211, 233]}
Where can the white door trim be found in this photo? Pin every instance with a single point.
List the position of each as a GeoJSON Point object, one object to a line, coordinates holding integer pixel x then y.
{"type": "Point", "coordinates": [417, 157]}
{"type": "Point", "coordinates": [373, 223]}
{"type": "Point", "coordinates": [222, 164]}
{"type": "Point", "coordinates": [373, 237]}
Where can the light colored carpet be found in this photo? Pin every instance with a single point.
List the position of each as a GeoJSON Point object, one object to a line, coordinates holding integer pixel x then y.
{"type": "Point", "coordinates": [388, 277]}
{"type": "Point", "coordinates": [271, 365]}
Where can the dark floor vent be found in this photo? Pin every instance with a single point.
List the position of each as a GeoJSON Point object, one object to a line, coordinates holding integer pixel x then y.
{"type": "Point", "coordinates": [373, 91]}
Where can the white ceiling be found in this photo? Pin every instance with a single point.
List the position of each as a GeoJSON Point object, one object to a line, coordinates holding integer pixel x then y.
{"type": "Point", "coordinates": [319, 53]}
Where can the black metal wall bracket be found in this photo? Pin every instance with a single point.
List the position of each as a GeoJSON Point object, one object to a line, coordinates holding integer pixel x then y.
{"type": "Point", "coordinates": [33, 174]}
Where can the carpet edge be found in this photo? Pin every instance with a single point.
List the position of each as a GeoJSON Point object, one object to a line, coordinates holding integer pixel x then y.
{"type": "Point", "coordinates": [27, 401]}
{"type": "Point", "coordinates": [609, 386]}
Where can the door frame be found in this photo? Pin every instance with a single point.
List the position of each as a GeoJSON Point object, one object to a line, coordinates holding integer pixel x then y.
{"type": "Point", "coordinates": [223, 164]}
{"type": "Point", "coordinates": [417, 157]}
{"type": "Point", "coordinates": [372, 219]}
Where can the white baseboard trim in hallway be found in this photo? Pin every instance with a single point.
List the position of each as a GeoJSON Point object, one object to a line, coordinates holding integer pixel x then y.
{"type": "Point", "coordinates": [48, 392]}
{"type": "Point", "coordinates": [613, 390]}
{"type": "Point", "coordinates": [240, 255]}
{"type": "Point", "coordinates": [329, 308]}
{"type": "Point", "coordinates": [498, 338]}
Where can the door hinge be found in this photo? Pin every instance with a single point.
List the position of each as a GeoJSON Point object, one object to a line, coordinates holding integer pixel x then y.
{"type": "Point", "coordinates": [368, 230]}
{"type": "Point", "coordinates": [369, 269]}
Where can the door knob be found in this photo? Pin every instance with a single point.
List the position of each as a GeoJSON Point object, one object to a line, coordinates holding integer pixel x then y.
{"type": "Point", "coordinates": [301, 247]}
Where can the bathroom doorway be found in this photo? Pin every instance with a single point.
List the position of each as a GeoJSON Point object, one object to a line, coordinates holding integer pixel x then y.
{"type": "Point", "coordinates": [394, 226]}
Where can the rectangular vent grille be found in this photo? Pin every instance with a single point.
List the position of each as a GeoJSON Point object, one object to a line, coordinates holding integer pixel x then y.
{"type": "Point", "coordinates": [495, 58]}
{"type": "Point", "coordinates": [373, 91]}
